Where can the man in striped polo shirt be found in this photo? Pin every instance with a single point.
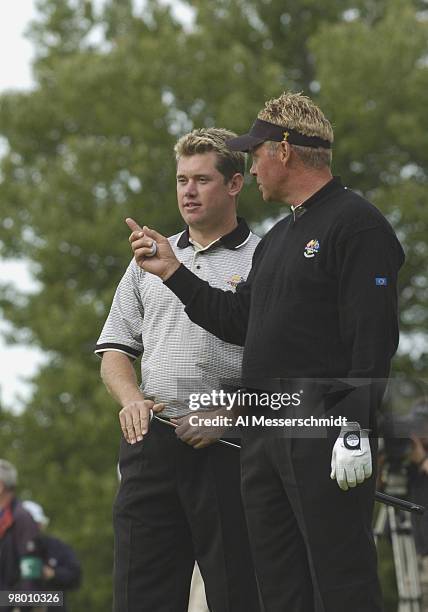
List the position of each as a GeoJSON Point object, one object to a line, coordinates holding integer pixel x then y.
{"type": "Point", "coordinates": [179, 499]}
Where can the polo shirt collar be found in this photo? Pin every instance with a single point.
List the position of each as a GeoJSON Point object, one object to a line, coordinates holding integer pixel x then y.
{"type": "Point", "coordinates": [232, 240]}
{"type": "Point", "coordinates": [332, 185]}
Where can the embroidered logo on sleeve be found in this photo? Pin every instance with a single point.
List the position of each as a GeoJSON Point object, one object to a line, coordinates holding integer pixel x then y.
{"type": "Point", "coordinates": [312, 248]}
{"type": "Point", "coordinates": [381, 281]}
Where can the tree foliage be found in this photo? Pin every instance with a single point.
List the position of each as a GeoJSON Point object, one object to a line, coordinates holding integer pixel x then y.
{"type": "Point", "coordinates": [93, 142]}
{"type": "Point", "coordinates": [373, 76]}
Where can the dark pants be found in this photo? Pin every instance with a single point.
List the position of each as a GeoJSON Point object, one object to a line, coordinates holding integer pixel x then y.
{"type": "Point", "coordinates": [312, 543]}
{"type": "Point", "coordinates": [174, 505]}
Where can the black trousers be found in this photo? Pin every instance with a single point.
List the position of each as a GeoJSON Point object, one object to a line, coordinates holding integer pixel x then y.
{"type": "Point", "coordinates": [176, 504]}
{"type": "Point", "coordinates": [312, 543]}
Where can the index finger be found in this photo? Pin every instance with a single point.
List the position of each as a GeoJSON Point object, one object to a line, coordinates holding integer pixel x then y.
{"type": "Point", "coordinates": [133, 225]}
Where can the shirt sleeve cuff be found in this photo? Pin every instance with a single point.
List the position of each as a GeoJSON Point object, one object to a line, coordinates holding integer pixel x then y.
{"type": "Point", "coordinates": [119, 348]}
{"type": "Point", "coordinates": [184, 284]}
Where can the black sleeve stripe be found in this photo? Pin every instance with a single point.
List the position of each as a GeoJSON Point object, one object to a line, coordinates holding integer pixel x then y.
{"type": "Point", "coordinates": [100, 348]}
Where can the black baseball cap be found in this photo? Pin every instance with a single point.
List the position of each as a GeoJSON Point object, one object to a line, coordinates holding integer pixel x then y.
{"type": "Point", "coordinates": [264, 130]}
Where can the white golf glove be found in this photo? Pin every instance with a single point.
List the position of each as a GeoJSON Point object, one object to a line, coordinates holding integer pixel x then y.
{"type": "Point", "coordinates": [351, 460]}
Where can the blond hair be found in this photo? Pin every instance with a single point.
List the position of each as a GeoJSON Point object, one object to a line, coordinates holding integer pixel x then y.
{"type": "Point", "coordinates": [300, 113]}
{"type": "Point", "coordinates": [205, 140]}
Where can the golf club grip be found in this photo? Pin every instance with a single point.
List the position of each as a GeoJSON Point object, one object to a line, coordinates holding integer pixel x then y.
{"type": "Point", "coordinates": [399, 503]}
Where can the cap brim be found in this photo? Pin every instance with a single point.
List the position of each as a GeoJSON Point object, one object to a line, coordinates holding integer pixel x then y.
{"type": "Point", "coordinates": [245, 143]}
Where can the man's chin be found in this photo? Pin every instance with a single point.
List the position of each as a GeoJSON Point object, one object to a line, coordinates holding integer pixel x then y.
{"type": "Point", "coordinates": [192, 218]}
{"type": "Point", "coordinates": [269, 197]}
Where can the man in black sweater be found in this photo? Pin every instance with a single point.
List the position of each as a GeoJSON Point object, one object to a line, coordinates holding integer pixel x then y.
{"type": "Point", "coordinates": [318, 321]}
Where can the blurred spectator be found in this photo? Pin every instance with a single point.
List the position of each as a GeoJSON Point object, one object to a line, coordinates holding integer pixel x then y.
{"type": "Point", "coordinates": [61, 568]}
{"type": "Point", "coordinates": [20, 566]}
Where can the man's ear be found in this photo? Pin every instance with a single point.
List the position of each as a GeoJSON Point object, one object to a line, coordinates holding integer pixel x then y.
{"type": "Point", "coordinates": [235, 184]}
{"type": "Point", "coordinates": [284, 151]}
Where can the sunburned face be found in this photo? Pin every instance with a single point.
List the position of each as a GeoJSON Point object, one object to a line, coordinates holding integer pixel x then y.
{"type": "Point", "coordinates": [269, 172]}
{"type": "Point", "coordinates": [203, 196]}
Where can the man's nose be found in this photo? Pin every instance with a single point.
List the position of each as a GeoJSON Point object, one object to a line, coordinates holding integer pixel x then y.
{"type": "Point", "coordinates": [253, 169]}
{"type": "Point", "coordinates": [190, 188]}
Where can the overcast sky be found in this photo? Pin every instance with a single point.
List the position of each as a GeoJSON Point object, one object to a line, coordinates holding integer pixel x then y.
{"type": "Point", "coordinates": [15, 50]}
{"type": "Point", "coordinates": [15, 72]}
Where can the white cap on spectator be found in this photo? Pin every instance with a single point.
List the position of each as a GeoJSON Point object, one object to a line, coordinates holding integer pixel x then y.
{"type": "Point", "coordinates": [36, 512]}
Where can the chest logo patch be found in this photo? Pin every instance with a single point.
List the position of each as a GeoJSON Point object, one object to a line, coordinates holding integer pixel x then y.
{"type": "Point", "coordinates": [312, 248]}
{"type": "Point", "coordinates": [234, 280]}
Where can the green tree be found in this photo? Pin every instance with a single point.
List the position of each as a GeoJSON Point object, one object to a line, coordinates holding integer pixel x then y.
{"type": "Point", "coordinates": [372, 77]}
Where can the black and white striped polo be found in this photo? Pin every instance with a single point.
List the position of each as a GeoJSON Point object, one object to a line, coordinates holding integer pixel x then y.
{"type": "Point", "coordinates": [178, 358]}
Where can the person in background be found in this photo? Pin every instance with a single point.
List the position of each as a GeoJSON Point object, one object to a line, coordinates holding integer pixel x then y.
{"type": "Point", "coordinates": [20, 567]}
{"type": "Point", "coordinates": [61, 568]}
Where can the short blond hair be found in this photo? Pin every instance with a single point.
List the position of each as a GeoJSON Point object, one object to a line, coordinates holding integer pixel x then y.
{"type": "Point", "coordinates": [300, 113]}
{"type": "Point", "coordinates": [205, 140]}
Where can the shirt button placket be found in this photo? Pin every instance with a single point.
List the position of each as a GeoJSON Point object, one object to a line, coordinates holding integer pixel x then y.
{"type": "Point", "coordinates": [196, 266]}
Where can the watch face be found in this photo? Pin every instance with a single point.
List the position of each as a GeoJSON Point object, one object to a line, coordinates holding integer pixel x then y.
{"type": "Point", "coordinates": [351, 440]}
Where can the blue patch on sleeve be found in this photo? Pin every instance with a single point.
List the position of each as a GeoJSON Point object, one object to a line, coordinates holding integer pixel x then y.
{"type": "Point", "coordinates": [381, 281]}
